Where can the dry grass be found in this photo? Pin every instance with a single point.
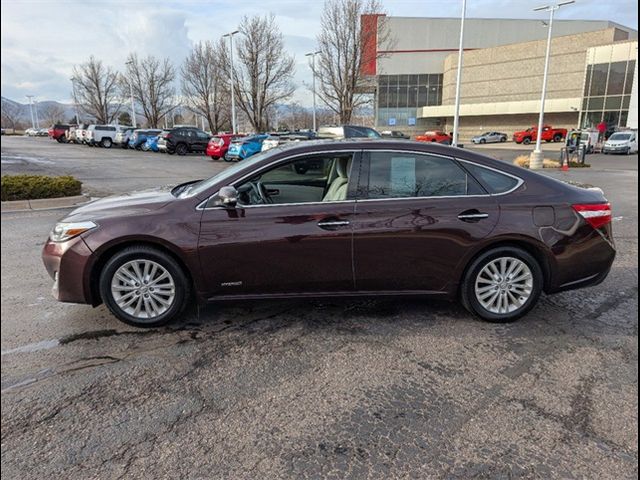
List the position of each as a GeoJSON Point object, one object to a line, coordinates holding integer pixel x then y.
{"type": "Point", "coordinates": [523, 161]}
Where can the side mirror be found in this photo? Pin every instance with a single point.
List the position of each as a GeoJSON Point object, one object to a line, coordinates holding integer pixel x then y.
{"type": "Point", "coordinates": [228, 196]}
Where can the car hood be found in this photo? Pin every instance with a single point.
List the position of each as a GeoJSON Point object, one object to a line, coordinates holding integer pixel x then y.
{"type": "Point", "coordinates": [128, 204]}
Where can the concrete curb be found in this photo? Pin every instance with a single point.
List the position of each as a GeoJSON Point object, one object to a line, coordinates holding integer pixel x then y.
{"type": "Point", "coordinates": [43, 204]}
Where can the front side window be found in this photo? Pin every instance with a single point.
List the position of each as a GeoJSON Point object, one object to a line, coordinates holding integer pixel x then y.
{"type": "Point", "coordinates": [406, 175]}
{"type": "Point", "coordinates": [321, 178]}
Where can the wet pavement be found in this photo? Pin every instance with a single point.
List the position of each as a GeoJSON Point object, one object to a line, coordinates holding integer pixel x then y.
{"type": "Point", "coordinates": [367, 388]}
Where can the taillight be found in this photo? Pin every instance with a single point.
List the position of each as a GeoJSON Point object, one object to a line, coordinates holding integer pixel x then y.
{"type": "Point", "coordinates": [597, 215]}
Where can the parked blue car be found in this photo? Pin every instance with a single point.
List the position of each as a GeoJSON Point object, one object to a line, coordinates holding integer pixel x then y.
{"type": "Point", "coordinates": [151, 144]}
{"type": "Point", "coordinates": [139, 137]}
{"type": "Point", "coordinates": [244, 147]}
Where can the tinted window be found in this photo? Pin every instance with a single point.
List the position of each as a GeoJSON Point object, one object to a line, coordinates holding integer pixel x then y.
{"type": "Point", "coordinates": [401, 175]}
{"type": "Point", "coordinates": [494, 181]}
{"type": "Point", "coordinates": [311, 179]}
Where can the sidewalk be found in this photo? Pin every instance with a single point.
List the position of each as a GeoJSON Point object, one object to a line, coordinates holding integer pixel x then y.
{"type": "Point", "coordinates": [43, 203]}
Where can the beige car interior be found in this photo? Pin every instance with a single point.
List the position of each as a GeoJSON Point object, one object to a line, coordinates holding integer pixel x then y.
{"type": "Point", "coordinates": [339, 185]}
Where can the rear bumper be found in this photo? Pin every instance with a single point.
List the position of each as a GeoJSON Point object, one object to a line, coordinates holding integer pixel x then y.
{"type": "Point", "coordinates": [68, 265]}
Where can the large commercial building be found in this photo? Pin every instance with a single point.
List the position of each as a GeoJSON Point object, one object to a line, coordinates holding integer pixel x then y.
{"type": "Point", "coordinates": [414, 72]}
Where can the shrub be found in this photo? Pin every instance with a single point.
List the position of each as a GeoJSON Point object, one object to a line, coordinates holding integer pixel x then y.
{"type": "Point", "coordinates": [30, 187]}
{"type": "Point", "coordinates": [523, 161]}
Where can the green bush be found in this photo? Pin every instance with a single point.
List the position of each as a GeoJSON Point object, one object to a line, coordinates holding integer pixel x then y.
{"type": "Point", "coordinates": [30, 187]}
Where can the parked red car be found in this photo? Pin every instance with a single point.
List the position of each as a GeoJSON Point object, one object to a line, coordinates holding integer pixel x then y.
{"type": "Point", "coordinates": [219, 144]}
{"type": "Point", "coordinates": [549, 134]}
{"type": "Point", "coordinates": [58, 132]}
{"type": "Point", "coordinates": [437, 137]}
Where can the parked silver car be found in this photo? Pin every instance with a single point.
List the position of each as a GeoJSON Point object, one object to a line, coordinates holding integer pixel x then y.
{"type": "Point", "coordinates": [490, 137]}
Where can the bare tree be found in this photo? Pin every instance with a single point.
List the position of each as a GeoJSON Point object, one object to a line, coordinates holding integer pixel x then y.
{"type": "Point", "coordinates": [153, 89]}
{"type": "Point", "coordinates": [341, 43]}
{"type": "Point", "coordinates": [96, 90]}
{"type": "Point", "coordinates": [205, 84]}
{"type": "Point", "coordinates": [11, 114]}
{"type": "Point", "coordinates": [264, 71]}
{"type": "Point", "coordinates": [52, 113]}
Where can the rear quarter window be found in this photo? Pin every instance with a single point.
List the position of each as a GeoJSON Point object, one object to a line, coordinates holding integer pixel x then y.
{"type": "Point", "coordinates": [495, 182]}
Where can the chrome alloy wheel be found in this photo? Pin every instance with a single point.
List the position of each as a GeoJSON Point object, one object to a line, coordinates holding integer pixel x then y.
{"type": "Point", "coordinates": [143, 289]}
{"type": "Point", "coordinates": [504, 285]}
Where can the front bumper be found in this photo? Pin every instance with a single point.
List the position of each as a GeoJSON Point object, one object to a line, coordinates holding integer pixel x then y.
{"type": "Point", "coordinates": [68, 265]}
{"type": "Point", "coordinates": [622, 149]}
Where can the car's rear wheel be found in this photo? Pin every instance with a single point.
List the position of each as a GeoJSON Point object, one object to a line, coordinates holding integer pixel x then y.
{"type": "Point", "coordinates": [503, 139]}
{"type": "Point", "coordinates": [502, 284]}
{"type": "Point", "coordinates": [106, 142]}
{"type": "Point", "coordinates": [144, 287]}
{"type": "Point", "coordinates": [181, 149]}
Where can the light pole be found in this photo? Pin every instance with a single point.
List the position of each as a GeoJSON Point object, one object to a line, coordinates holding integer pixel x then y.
{"type": "Point", "coordinates": [313, 72]}
{"type": "Point", "coordinates": [456, 115]}
{"type": "Point", "coordinates": [233, 97]}
{"type": "Point", "coordinates": [133, 105]}
{"type": "Point", "coordinates": [33, 123]}
{"type": "Point", "coordinates": [536, 159]}
{"type": "Point", "coordinates": [75, 101]}
{"type": "Point", "coordinates": [35, 108]}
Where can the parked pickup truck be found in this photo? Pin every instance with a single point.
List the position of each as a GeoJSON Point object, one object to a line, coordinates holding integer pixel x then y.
{"type": "Point", "coordinates": [57, 132]}
{"type": "Point", "coordinates": [549, 134]}
{"type": "Point", "coordinates": [435, 136]}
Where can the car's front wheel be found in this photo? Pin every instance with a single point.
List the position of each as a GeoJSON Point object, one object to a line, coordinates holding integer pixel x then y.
{"type": "Point", "coordinates": [502, 284]}
{"type": "Point", "coordinates": [144, 287]}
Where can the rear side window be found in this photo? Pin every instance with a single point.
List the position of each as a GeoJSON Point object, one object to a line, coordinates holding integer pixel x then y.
{"type": "Point", "coordinates": [405, 175]}
{"type": "Point", "coordinates": [495, 182]}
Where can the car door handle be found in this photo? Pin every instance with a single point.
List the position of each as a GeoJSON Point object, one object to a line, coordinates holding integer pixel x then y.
{"type": "Point", "coordinates": [332, 224]}
{"type": "Point", "coordinates": [472, 215]}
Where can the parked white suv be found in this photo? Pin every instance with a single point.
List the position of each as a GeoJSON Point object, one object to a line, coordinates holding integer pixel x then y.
{"type": "Point", "coordinates": [103, 135]}
{"type": "Point", "coordinates": [622, 142]}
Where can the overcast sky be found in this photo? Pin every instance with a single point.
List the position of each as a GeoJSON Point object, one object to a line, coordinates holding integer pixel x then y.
{"type": "Point", "coordinates": [42, 40]}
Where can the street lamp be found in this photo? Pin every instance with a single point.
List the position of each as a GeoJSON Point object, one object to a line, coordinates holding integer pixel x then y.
{"type": "Point", "coordinates": [35, 108]}
{"type": "Point", "coordinates": [536, 159]}
{"type": "Point", "coordinates": [313, 71]}
{"type": "Point", "coordinates": [133, 105]}
{"type": "Point", "coordinates": [456, 115]}
{"type": "Point", "coordinates": [33, 123]}
{"type": "Point", "coordinates": [75, 101]}
{"type": "Point", "coordinates": [233, 97]}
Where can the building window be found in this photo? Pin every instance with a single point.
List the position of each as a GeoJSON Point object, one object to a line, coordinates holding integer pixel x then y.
{"type": "Point", "coordinates": [607, 91]}
{"type": "Point", "coordinates": [399, 97]}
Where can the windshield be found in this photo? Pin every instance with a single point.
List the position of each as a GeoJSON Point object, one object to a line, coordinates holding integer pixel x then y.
{"type": "Point", "coordinates": [203, 185]}
{"type": "Point", "coordinates": [620, 136]}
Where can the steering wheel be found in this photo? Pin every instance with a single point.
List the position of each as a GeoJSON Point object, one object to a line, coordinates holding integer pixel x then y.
{"type": "Point", "coordinates": [260, 191]}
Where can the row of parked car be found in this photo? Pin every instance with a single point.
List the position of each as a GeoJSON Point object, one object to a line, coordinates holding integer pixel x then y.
{"type": "Point", "coordinates": [183, 139]}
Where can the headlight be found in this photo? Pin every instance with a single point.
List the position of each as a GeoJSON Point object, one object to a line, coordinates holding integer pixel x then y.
{"type": "Point", "coordinates": [64, 231]}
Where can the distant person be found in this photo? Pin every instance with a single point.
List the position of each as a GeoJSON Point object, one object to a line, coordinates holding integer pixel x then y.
{"type": "Point", "coordinates": [602, 129]}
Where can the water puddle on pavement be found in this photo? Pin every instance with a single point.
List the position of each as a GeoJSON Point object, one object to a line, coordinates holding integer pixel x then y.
{"type": "Point", "coordinates": [33, 347]}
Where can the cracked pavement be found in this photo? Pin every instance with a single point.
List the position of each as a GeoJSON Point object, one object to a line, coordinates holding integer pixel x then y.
{"type": "Point", "coordinates": [365, 388]}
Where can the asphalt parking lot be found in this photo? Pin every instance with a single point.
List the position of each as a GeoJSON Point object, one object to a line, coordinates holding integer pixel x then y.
{"type": "Point", "coordinates": [367, 388]}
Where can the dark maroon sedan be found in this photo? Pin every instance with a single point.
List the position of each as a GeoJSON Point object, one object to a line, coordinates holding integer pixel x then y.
{"type": "Point", "coordinates": [361, 218]}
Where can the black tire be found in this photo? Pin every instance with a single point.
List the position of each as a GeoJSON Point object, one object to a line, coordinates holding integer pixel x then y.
{"type": "Point", "coordinates": [181, 149]}
{"type": "Point", "coordinates": [483, 141]}
{"type": "Point", "coordinates": [467, 288]}
{"type": "Point", "coordinates": [106, 142]}
{"type": "Point", "coordinates": [141, 252]}
{"type": "Point", "coordinates": [503, 139]}
{"type": "Point", "coordinates": [526, 140]}
{"type": "Point", "coordinates": [628, 152]}
{"type": "Point", "coordinates": [228, 158]}
{"type": "Point", "coordinates": [557, 138]}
